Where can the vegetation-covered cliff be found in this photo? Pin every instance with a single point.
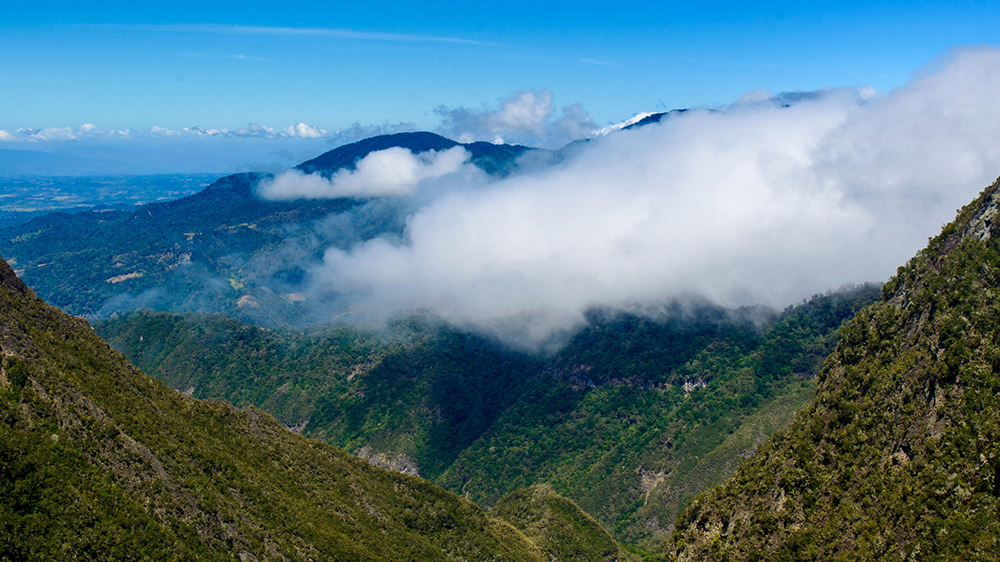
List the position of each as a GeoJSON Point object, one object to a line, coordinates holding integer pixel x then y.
{"type": "Point", "coordinates": [898, 456]}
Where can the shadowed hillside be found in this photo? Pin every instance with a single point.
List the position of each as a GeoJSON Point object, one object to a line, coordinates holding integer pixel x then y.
{"type": "Point", "coordinates": [101, 462]}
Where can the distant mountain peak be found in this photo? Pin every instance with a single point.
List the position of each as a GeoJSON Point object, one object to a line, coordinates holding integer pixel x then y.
{"type": "Point", "coordinates": [348, 155]}
{"type": "Point", "coordinates": [493, 158]}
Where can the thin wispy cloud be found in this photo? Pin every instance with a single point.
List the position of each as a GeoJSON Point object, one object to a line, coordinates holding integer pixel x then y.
{"type": "Point", "coordinates": [247, 57]}
{"type": "Point", "coordinates": [236, 56]}
{"type": "Point", "coordinates": [350, 34]}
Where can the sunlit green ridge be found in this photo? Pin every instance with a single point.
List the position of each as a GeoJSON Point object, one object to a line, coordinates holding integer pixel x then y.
{"type": "Point", "coordinates": [897, 458]}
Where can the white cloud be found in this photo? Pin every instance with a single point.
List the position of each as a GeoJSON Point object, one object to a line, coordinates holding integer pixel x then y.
{"type": "Point", "coordinates": [304, 131]}
{"type": "Point", "coordinates": [390, 172]}
{"type": "Point", "coordinates": [757, 203]}
{"type": "Point", "coordinates": [621, 125]}
{"type": "Point", "coordinates": [163, 131]}
{"type": "Point", "coordinates": [524, 117]}
{"type": "Point", "coordinates": [62, 134]}
{"type": "Point", "coordinates": [255, 130]}
{"type": "Point", "coordinates": [48, 134]}
{"type": "Point", "coordinates": [91, 131]}
{"type": "Point", "coordinates": [5, 136]}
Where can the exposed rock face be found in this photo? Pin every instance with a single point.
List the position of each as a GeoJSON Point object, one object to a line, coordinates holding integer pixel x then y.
{"type": "Point", "coordinates": [898, 457]}
{"type": "Point", "coordinates": [400, 462]}
{"type": "Point", "coordinates": [983, 222]}
{"type": "Point", "coordinates": [11, 281]}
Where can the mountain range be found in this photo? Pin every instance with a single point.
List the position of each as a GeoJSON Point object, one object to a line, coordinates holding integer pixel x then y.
{"type": "Point", "coordinates": [576, 452]}
{"type": "Point", "coordinates": [223, 249]}
{"type": "Point", "coordinates": [101, 462]}
{"type": "Point", "coordinates": [630, 419]}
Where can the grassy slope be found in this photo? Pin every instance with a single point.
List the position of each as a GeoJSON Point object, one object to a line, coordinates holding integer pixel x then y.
{"type": "Point", "coordinates": [898, 456]}
{"type": "Point", "coordinates": [558, 526]}
{"type": "Point", "coordinates": [100, 461]}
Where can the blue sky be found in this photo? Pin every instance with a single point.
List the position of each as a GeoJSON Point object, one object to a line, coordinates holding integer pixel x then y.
{"type": "Point", "coordinates": [785, 202]}
{"type": "Point", "coordinates": [120, 65]}
{"type": "Point", "coordinates": [224, 65]}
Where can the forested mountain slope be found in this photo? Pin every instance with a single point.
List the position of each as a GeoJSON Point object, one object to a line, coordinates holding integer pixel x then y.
{"type": "Point", "coordinates": [898, 456]}
{"type": "Point", "coordinates": [223, 249]}
{"type": "Point", "coordinates": [631, 419]}
{"type": "Point", "coordinates": [100, 462]}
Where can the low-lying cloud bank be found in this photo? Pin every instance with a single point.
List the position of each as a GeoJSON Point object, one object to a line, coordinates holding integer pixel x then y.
{"type": "Point", "coordinates": [391, 172]}
{"type": "Point", "coordinates": [757, 203]}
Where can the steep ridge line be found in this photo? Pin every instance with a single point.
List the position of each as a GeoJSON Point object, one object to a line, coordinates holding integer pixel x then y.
{"type": "Point", "coordinates": [898, 456]}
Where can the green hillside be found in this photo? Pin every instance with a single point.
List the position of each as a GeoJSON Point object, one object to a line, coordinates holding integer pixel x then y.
{"type": "Point", "coordinates": [630, 420]}
{"type": "Point", "coordinates": [222, 249]}
{"type": "Point", "coordinates": [898, 456]}
{"type": "Point", "coordinates": [558, 526]}
{"type": "Point", "coordinates": [100, 462]}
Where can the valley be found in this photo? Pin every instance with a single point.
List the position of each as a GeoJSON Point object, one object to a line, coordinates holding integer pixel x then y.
{"type": "Point", "coordinates": [531, 282]}
{"type": "Point", "coordinates": [632, 418]}
{"type": "Point", "coordinates": [590, 448]}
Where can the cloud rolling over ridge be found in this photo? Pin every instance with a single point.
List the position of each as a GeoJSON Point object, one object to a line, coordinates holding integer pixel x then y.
{"type": "Point", "coordinates": [390, 172]}
{"type": "Point", "coordinates": [753, 204]}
